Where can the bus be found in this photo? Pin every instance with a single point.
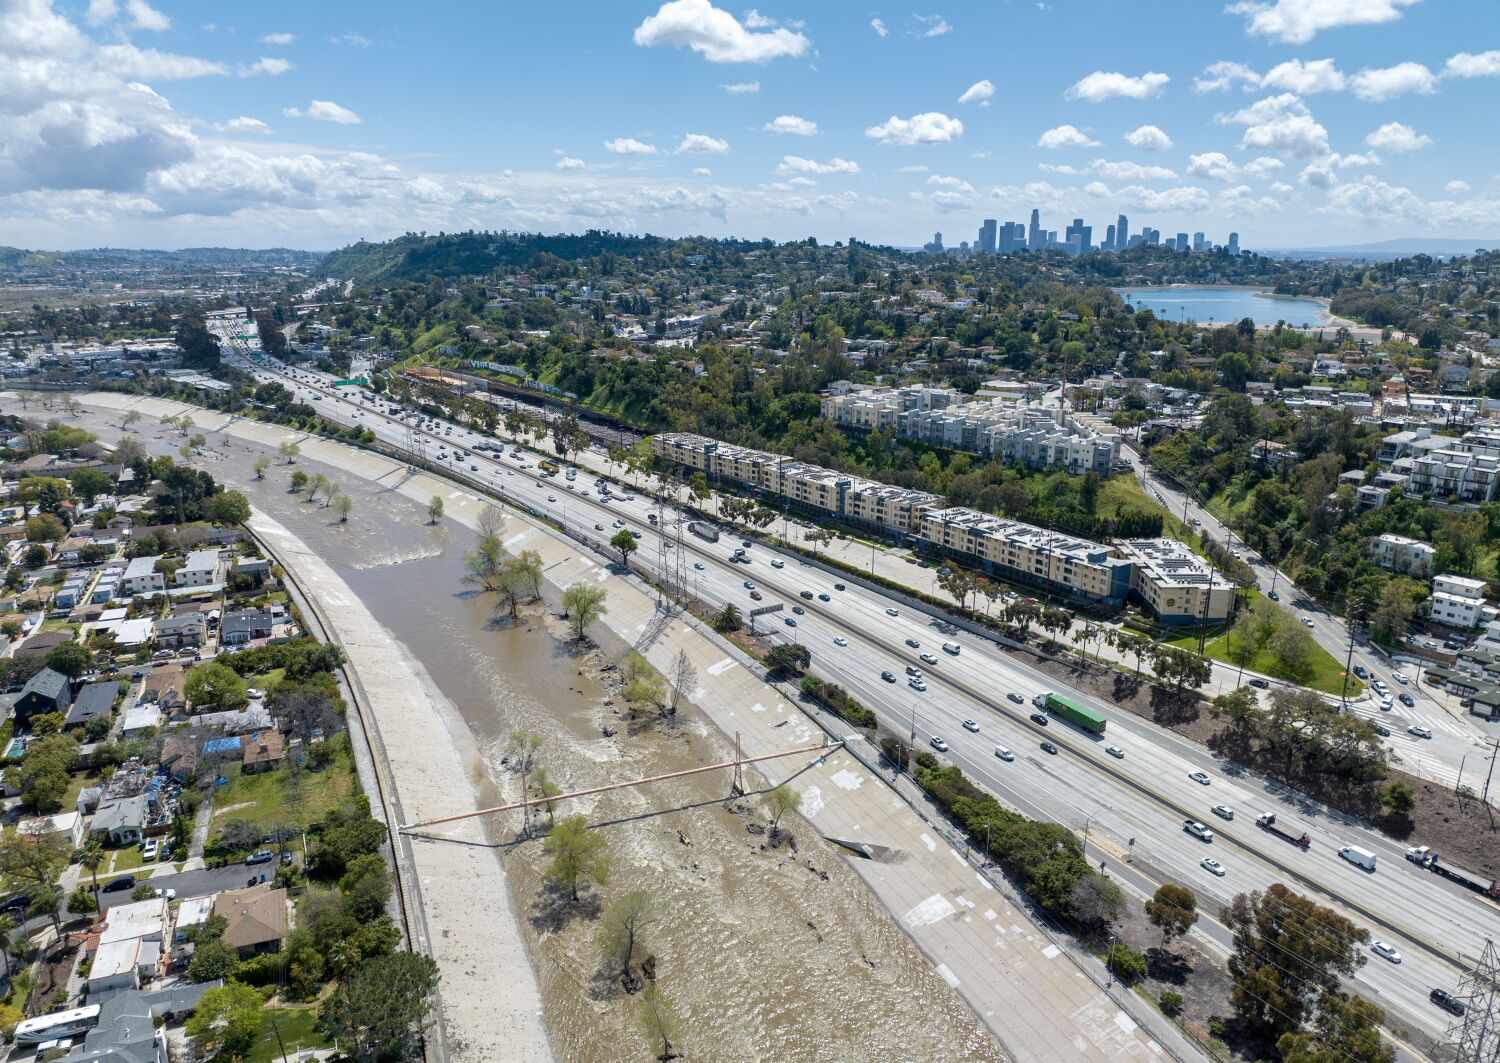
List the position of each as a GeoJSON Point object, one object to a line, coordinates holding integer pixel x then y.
{"type": "Point", "coordinates": [58, 1024]}
{"type": "Point", "coordinates": [548, 467]}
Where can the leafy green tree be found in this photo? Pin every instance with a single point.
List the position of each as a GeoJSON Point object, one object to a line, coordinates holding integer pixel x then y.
{"type": "Point", "coordinates": [642, 685]}
{"type": "Point", "coordinates": [1346, 1030]}
{"type": "Point", "coordinates": [781, 800]}
{"type": "Point", "coordinates": [72, 659]}
{"type": "Point", "coordinates": [578, 855]}
{"type": "Point", "coordinates": [788, 657]}
{"type": "Point", "coordinates": [1173, 910]}
{"type": "Point", "coordinates": [1398, 797]}
{"type": "Point", "coordinates": [1288, 952]}
{"type": "Point", "coordinates": [728, 619]}
{"type": "Point", "coordinates": [583, 603]}
{"type": "Point", "coordinates": [434, 509]}
{"type": "Point", "coordinates": [659, 1022]}
{"type": "Point", "coordinates": [82, 902]}
{"type": "Point", "coordinates": [89, 484]}
{"type": "Point", "coordinates": [378, 1014]}
{"type": "Point", "coordinates": [620, 928]}
{"type": "Point", "coordinates": [227, 507]}
{"type": "Point", "coordinates": [226, 1022]}
{"type": "Point", "coordinates": [299, 480]}
{"type": "Point", "coordinates": [260, 465]}
{"type": "Point", "coordinates": [214, 686]}
{"type": "Point", "coordinates": [624, 542]}
{"type": "Point", "coordinates": [44, 528]}
{"type": "Point", "coordinates": [1096, 901]}
{"type": "Point", "coordinates": [42, 777]}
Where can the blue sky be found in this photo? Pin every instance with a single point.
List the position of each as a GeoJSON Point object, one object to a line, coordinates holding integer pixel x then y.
{"type": "Point", "coordinates": [1295, 122]}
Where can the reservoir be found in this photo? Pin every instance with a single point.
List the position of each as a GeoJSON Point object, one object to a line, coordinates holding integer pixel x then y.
{"type": "Point", "coordinates": [1221, 304]}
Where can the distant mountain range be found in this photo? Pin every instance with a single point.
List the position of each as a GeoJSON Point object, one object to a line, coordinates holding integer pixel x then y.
{"type": "Point", "coordinates": [1406, 245]}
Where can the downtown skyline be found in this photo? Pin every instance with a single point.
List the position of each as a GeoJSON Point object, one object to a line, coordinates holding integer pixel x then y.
{"type": "Point", "coordinates": [154, 123]}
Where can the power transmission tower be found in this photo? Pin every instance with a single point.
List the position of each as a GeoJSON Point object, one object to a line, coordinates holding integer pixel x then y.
{"type": "Point", "coordinates": [1476, 1036]}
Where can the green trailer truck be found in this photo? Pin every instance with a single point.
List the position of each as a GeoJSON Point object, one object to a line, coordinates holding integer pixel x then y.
{"type": "Point", "coordinates": [1071, 711]}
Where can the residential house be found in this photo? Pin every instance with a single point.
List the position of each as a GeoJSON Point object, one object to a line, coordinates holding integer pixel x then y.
{"type": "Point", "coordinates": [243, 626]}
{"type": "Point", "coordinates": [141, 577]}
{"type": "Point", "coordinates": [203, 568]}
{"type": "Point", "coordinates": [47, 691]}
{"type": "Point", "coordinates": [256, 919]}
{"type": "Point", "coordinates": [141, 719]}
{"type": "Point", "coordinates": [163, 687]}
{"type": "Point", "coordinates": [264, 750]}
{"type": "Point", "coordinates": [68, 826]}
{"type": "Point", "coordinates": [120, 820]}
{"type": "Point", "coordinates": [128, 1030]}
{"type": "Point", "coordinates": [132, 945]}
{"type": "Point", "coordinates": [44, 643]}
{"type": "Point", "coordinates": [95, 699]}
{"type": "Point", "coordinates": [177, 632]}
{"type": "Point", "coordinates": [256, 569]}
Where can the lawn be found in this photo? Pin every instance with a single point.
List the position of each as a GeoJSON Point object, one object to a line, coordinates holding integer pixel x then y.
{"type": "Point", "coordinates": [263, 795]}
{"type": "Point", "coordinates": [124, 860]}
{"type": "Point", "coordinates": [296, 1028]}
{"type": "Point", "coordinates": [1124, 491]}
{"type": "Point", "coordinates": [1326, 675]}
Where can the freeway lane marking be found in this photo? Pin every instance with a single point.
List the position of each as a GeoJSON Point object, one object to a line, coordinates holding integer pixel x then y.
{"type": "Point", "coordinates": [722, 667]}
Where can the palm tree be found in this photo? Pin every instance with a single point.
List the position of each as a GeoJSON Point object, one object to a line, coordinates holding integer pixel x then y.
{"type": "Point", "coordinates": [92, 858]}
{"type": "Point", "coordinates": [7, 927]}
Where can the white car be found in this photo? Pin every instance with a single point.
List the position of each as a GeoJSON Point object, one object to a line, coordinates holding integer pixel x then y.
{"type": "Point", "coordinates": [1115, 751]}
{"type": "Point", "coordinates": [1400, 677]}
{"type": "Point", "coordinates": [1212, 866]}
{"type": "Point", "coordinates": [928, 658]}
{"type": "Point", "coordinates": [1386, 951]}
{"type": "Point", "coordinates": [917, 683]}
{"type": "Point", "coordinates": [839, 640]}
{"type": "Point", "coordinates": [1419, 731]}
{"type": "Point", "coordinates": [778, 563]}
{"type": "Point", "coordinates": [970, 725]}
{"type": "Point", "coordinates": [1004, 754]}
{"type": "Point", "coordinates": [1222, 811]}
{"type": "Point", "coordinates": [169, 894]}
{"type": "Point", "coordinates": [1201, 778]}
{"type": "Point", "coordinates": [551, 498]}
{"type": "Point", "coordinates": [892, 612]}
{"type": "Point", "coordinates": [698, 566]}
{"type": "Point", "coordinates": [939, 745]}
{"type": "Point", "coordinates": [1307, 621]}
{"type": "Point", "coordinates": [255, 693]}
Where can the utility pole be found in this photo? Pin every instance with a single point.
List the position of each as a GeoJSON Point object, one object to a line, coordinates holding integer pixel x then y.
{"type": "Point", "coordinates": [1495, 750]}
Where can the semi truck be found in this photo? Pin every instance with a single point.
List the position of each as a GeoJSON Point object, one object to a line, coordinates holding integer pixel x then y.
{"type": "Point", "coordinates": [707, 532]}
{"type": "Point", "coordinates": [1267, 822]}
{"type": "Point", "coordinates": [1071, 711]}
{"type": "Point", "coordinates": [1422, 856]}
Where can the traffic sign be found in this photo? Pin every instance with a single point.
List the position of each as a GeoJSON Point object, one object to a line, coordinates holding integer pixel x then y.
{"type": "Point", "coordinates": [763, 610]}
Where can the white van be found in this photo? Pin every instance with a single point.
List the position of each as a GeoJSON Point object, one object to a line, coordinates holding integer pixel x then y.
{"type": "Point", "coordinates": [951, 647]}
{"type": "Point", "coordinates": [1004, 754]}
{"type": "Point", "coordinates": [1358, 857]}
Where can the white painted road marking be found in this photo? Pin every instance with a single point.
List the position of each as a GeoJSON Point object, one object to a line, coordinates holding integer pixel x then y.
{"type": "Point", "coordinates": [722, 667]}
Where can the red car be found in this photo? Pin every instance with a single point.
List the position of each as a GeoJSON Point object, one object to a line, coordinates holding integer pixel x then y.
{"type": "Point", "coordinates": [755, 595]}
{"type": "Point", "coordinates": [598, 527]}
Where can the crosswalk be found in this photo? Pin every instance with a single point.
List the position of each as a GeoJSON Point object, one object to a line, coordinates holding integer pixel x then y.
{"type": "Point", "coordinates": [1439, 721]}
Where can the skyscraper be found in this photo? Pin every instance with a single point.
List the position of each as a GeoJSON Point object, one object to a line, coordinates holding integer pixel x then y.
{"type": "Point", "coordinates": [1234, 243]}
{"type": "Point", "coordinates": [1199, 242]}
{"type": "Point", "coordinates": [1012, 237]}
{"type": "Point", "coordinates": [1085, 234]}
{"type": "Point", "coordinates": [1182, 242]}
{"type": "Point", "coordinates": [1034, 234]}
{"type": "Point", "coordinates": [1109, 239]}
{"type": "Point", "coordinates": [1122, 233]}
{"type": "Point", "coordinates": [987, 237]}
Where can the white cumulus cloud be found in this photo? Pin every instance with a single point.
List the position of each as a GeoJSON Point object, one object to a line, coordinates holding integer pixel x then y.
{"type": "Point", "coordinates": [1281, 124]}
{"type": "Point", "coordinates": [244, 124]}
{"type": "Point", "coordinates": [628, 146]}
{"type": "Point", "coordinates": [794, 164]}
{"type": "Point", "coordinates": [930, 127]}
{"type": "Point", "coordinates": [1457, 187]}
{"type": "Point", "coordinates": [791, 125]}
{"type": "Point", "coordinates": [1065, 136]}
{"type": "Point", "coordinates": [958, 184]}
{"type": "Point", "coordinates": [931, 25]}
{"type": "Point", "coordinates": [1386, 83]}
{"type": "Point", "coordinates": [1225, 75]}
{"type": "Point", "coordinates": [1104, 85]}
{"type": "Point", "coordinates": [145, 17]}
{"type": "Point", "coordinates": [1299, 21]}
{"type": "Point", "coordinates": [742, 88]}
{"type": "Point", "coordinates": [1213, 165]}
{"type": "Point", "coordinates": [1397, 137]}
{"type": "Point", "coordinates": [267, 65]}
{"type": "Point", "coordinates": [281, 39]}
{"type": "Point", "coordinates": [701, 144]}
{"type": "Point", "coordinates": [567, 162]}
{"type": "Point", "coordinates": [979, 92]}
{"type": "Point", "coordinates": [1295, 75]}
{"type": "Point", "coordinates": [702, 171]}
{"type": "Point", "coordinates": [1263, 167]}
{"type": "Point", "coordinates": [324, 111]}
{"type": "Point", "coordinates": [1465, 65]}
{"type": "Point", "coordinates": [716, 35]}
{"type": "Point", "coordinates": [878, 25]}
{"type": "Point", "coordinates": [1148, 138]}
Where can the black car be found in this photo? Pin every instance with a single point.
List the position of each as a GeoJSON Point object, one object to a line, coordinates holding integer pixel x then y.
{"type": "Point", "coordinates": [1443, 999]}
{"type": "Point", "coordinates": [1261, 683]}
{"type": "Point", "coordinates": [838, 586]}
{"type": "Point", "coordinates": [1382, 730]}
{"type": "Point", "coordinates": [1038, 719]}
{"type": "Point", "coordinates": [124, 882]}
{"type": "Point", "coordinates": [808, 595]}
{"type": "Point", "coordinates": [1406, 700]}
{"type": "Point", "coordinates": [889, 677]}
{"type": "Point", "coordinates": [1048, 747]}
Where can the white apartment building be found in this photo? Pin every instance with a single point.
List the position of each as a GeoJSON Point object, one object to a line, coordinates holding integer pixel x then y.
{"type": "Point", "coordinates": [1400, 554]}
{"type": "Point", "coordinates": [1458, 601]}
{"type": "Point", "coordinates": [993, 427]}
{"type": "Point", "coordinates": [141, 577]}
{"type": "Point", "coordinates": [1467, 470]}
{"type": "Point", "coordinates": [1176, 584]}
{"type": "Point", "coordinates": [202, 568]}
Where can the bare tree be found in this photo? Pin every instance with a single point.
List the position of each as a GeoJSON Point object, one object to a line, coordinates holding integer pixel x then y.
{"type": "Point", "coordinates": [683, 677]}
{"type": "Point", "coordinates": [620, 930]}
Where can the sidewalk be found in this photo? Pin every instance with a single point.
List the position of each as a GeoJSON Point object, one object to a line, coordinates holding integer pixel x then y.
{"type": "Point", "coordinates": [1028, 988]}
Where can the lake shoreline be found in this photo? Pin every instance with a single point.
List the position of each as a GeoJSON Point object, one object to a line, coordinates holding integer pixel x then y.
{"type": "Point", "coordinates": [1146, 295]}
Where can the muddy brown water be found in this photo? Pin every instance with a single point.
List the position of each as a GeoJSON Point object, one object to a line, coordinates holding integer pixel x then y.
{"type": "Point", "coordinates": [768, 955]}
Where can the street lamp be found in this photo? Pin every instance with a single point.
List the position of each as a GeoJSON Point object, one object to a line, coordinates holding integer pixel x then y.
{"type": "Point", "coordinates": [1110, 962]}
